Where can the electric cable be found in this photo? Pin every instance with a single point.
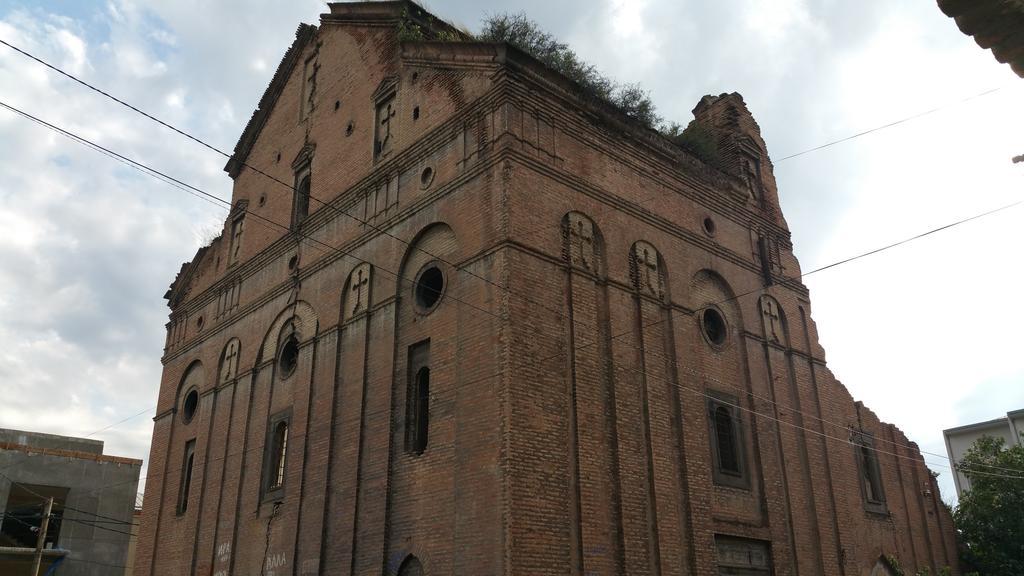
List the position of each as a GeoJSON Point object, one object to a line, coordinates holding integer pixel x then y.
{"type": "Point", "coordinates": [327, 204]}
{"type": "Point", "coordinates": [229, 156]}
{"type": "Point", "coordinates": [890, 124]}
{"type": "Point", "coordinates": [274, 223]}
{"type": "Point", "coordinates": [118, 423]}
{"type": "Point", "coordinates": [825, 267]}
{"type": "Point", "coordinates": [169, 179]}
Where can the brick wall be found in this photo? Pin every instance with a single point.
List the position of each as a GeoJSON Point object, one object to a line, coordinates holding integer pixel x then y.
{"type": "Point", "coordinates": [569, 377]}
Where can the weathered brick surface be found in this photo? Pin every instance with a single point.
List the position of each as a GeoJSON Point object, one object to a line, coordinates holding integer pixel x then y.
{"type": "Point", "coordinates": [569, 425]}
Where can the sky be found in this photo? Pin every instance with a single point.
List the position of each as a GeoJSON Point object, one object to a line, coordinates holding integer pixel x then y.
{"type": "Point", "coordinates": [926, 334]}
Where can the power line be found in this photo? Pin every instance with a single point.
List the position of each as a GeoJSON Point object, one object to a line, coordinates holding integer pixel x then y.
{"type": "Point", "coordinates": [274, 223]}
{"type": "Point", "coordinates": [150, 170]}
{"type": "Point", "coordinates": [504, 288]}
{"type": "Point", "coordinates": [890, 124]}
{"type": "Point", "coordinates": [97, 526]}
{"type": "Point", "coordinates": [953, 465]}
{"type": "Point", "coordinates": [119, 422]}
{"type": "Point", "coordinates": [292, 188]}
{"type": "Point", "coordinates": [501, 287]}
{"type": "Point", "coordinates": [655, 322]}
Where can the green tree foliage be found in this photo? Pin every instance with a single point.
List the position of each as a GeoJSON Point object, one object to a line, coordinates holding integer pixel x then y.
{"type": "Point", "coordinates": [630, 99]}
{"type": "Point", "coordinates": [990, 517]}
{"type": "Point", "coordinates": [525, 34]}
{"type": "Point", "coordinates": [697, 140]}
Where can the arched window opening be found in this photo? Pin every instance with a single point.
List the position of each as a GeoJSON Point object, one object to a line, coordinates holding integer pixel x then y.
{"type": "Point", "coordinates": [410, 567]}
{"type": "Point", "coordinates": [189, 406]}
{"type": "Point", "coordinates": [429, 287]}
{"type": "Point", "coordinates": [421, 410]}
{"type": "Point", "coordinates": [417, 398]}
{"type": "Point", "coordinates": [280, 451]}
{"type": "Point", "coordinates": [275, 456]}
{"type": "Point", "coordinates": [713, 326]}
{"type": "Point", "coordinates": [727, 453]}
{"type": "Point", "coordinates": [289, 356]}
{"type": "Point", "coordinates": [186, 476]}
{"type": "Point", "coordinates": [300, 204]}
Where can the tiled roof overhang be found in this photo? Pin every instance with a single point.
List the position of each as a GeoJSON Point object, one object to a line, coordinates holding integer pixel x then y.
{"type": "Point", "coordinates": [994, 24]}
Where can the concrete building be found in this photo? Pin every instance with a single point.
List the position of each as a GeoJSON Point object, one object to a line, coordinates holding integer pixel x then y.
{"type": "Point", "coordinates": [466, 319]}
{"type": "Point", "coordinates": [94, 499]}
{"type": "Point", "coordinates": [960, 439]}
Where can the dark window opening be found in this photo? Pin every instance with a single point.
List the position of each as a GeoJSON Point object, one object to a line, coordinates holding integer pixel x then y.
{"type": "Point", "coordinates": [417, 400]}
{"type": "Point", "coordinates": [279, 450]}
{"type": "Point", "coordinates": [727, 447]}
{"type": "Point", "coordinates": [426, 177]}
{"type": "Point", "coordinates": [300, 207]}
{"type": "Point", "coordinates": [870, 473]}
{"type": "Point", "coordinates": [289, 356]}
{"type": "Point", "coordinates": [709, 226]}
{"type": "Point", "coordinates": [275, 456]}
{"type": "Point", "coordinates": [23, 515]}
{"type": "Point", "coordinates": [728, 461]}
{"type": "Point", "coordinates": [186, 476]}
{"type": "Point", "coordinates": [429, 287]}
{"type": "Point", "coordinates": [713, 325]}
{"type": "Point", "coordinates": [188, 407]}
{"type": "Point", "coordinates": [410, 567]}
{"type": "Point", "coordinates": [421, 410]}
{"type": "Point", "coordinates": [416, 113]}
{"type": "Point", "coordinates": [870, 481]}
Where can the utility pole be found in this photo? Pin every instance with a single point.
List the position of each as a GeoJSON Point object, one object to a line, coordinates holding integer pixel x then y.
{"type": "Point", "coordinates": [42, 537]}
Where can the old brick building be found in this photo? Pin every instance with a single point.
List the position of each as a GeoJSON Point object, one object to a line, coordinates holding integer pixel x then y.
{"type": "Point", "coordinates": [465, 320]}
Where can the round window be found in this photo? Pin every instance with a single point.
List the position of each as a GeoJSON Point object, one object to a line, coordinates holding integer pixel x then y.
{"type": "Point", "coordinates": [429, 287]}
{"type": "Point", "coordinates": [288, 359]}
{"type": "Point", "coordinates": [189, 406]}
{"type": "Point", "coordinates": [709, 226]}
{"type": "Point", "coordinates": [426, 177]}
{"type": "Point", "coordinates": [712, 325]}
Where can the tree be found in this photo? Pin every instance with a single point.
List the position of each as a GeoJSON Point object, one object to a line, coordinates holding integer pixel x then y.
{"type": "Point", "coordinates": [990, 517]}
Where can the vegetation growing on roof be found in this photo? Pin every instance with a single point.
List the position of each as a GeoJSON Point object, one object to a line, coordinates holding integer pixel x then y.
{"type": "Point", "coordinates": [410, 31]}
{"type": "Point", "coordinates": [528, 36]}
{"type": "Point", "coordinates": [525, 34]}
{"type": "Point", "coordinates": [696, 139]}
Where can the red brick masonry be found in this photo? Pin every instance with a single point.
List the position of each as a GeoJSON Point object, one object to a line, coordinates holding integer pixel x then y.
{"type": "Point", "coordinates": [605, 293]}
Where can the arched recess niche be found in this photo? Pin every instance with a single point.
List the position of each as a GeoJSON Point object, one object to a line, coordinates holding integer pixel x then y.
{"type": "Point", "coordinates": [582, 243]}
{"type": "Point", "coordinates": [647, 271]}
{"type": "Point", "coordinates": [434, 245]}
{"type": "Point", "coordinates": [708, 290]}
{"type": "Point", "coordinates": [193, 381]}
{"type": "Point", "coordinates": [298, 320]}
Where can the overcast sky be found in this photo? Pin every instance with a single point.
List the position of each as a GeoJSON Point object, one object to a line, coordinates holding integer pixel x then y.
{"type": "Point", "coordinates": [928, 334]}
